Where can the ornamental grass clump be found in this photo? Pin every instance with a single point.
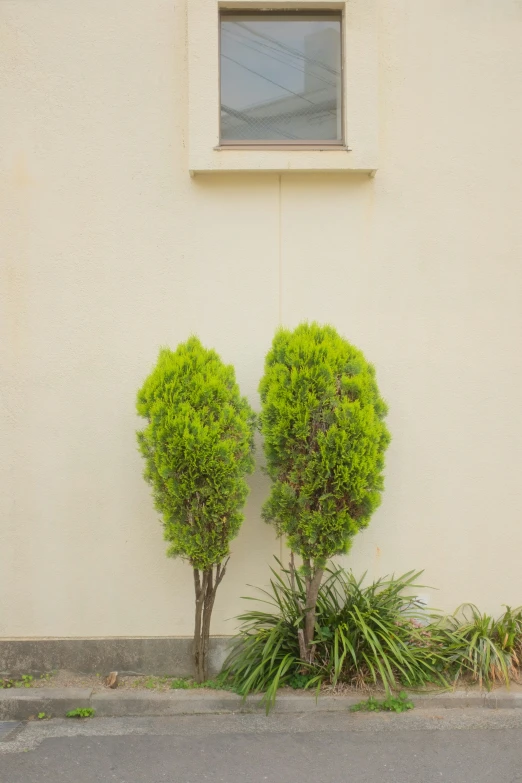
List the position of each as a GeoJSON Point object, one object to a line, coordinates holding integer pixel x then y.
{"type": "Point", "coordinates": [198, 448]}
{"type": "Point", "coordinates": [486, 649]}
{"type": "Point", "coordinates": [324, 434]}
{"type": "Point", "coordinates": [366, 635]}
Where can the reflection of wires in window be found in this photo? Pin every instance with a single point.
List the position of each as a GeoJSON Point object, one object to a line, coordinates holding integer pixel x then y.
{"type": "Point", "coordinates": [261, 76]}
{"type": "Point", "coordinates": [253, 46]}
{"type": "Point", "coordinates": [287, 49]}
{"type": "Point", "coordinates": [287, 89]}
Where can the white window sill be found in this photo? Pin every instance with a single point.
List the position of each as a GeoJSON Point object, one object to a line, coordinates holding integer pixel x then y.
{"type": "Point", "coordinates": [256, 159]}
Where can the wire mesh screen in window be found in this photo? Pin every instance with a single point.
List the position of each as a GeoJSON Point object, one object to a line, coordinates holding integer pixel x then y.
{"type": "Point", "coordinates": [280, 78]}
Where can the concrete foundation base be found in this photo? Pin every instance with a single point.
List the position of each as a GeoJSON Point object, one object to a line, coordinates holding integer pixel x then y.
{"type": "Point", "coordinates": [160, 656]}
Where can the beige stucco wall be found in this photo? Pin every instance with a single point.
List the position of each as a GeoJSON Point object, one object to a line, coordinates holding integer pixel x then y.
{"type": "Point", "coordinates": [110, 249]}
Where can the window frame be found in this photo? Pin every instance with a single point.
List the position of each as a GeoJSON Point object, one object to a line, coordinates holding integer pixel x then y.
{"type": "Point", "coordinates": [291, 12]}
{"type": "Point", "coordinates": [361, 95]}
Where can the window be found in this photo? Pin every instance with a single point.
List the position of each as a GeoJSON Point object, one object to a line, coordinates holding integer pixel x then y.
{"type": "Point", "coordinates": [281, 78]}
{"type": "Point", "coordinates": [322, 112]}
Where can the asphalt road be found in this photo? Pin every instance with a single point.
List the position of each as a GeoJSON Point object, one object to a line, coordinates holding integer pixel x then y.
{"type": "Point", "coordinates": [454, 746]}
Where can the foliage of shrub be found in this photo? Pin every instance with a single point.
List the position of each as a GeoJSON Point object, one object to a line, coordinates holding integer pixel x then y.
{"type": "Point", "coordinates": [324, 438]}
{"type": "Point", "coordinates": [197, 446]}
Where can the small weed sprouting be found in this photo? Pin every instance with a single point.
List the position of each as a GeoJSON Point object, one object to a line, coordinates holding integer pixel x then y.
{"type": "Point", "coordinates": [400, 703]}
{"type": "Point", "coordinates": [217, 684]}
{"type": "Point", "coordinates": [43, 716]}
{"type": "Point", "coordinates": [369, 705]}
{"type": "Point", "coordinates": [25, 681]}
{"type": "Point", "coordinates": [156, 682]}
{"type": "Point", "coordinates": [180, 683]}
{"type": "Point", "coordinates": [220, 683]}
{"type": "Point", "coordinates": [299, 681]}
{"type": "Point", "coordinates": [81, 712]}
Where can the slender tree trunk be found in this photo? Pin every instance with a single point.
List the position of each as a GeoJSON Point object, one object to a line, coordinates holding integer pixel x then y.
{"type": "Point", "coordinates": [200, 588]}
{"type": "Point", "coordinates": [206, 584]}
{"type": "Point", "coordinates": [313, 578]}
{"type": "Point", "coordinates": [303, 652]}
{"type": "Point", "coordinates": [207, 614]}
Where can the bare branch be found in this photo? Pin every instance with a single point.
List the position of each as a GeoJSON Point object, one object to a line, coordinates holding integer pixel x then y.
{"type": "Point", "coordinates": [221, 570]}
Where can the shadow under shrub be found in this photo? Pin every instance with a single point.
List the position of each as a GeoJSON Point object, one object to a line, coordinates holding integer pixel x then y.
{"type": "Point", "coordinates": [376, 634]}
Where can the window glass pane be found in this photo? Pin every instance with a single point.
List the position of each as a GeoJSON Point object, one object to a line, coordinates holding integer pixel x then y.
{"type": "Point", "coordinates": [280, 78]}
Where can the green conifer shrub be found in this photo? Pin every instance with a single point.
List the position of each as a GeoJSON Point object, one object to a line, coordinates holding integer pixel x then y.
{"type": "Point", "coordinates": [324, 438]}
{"type": "Point", "coordinates": [198, 447]}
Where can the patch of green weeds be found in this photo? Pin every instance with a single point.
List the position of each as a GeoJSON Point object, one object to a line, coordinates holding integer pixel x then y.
{"type": "Point", "coordinates": [400, 703]}
{"type": "Point", "coordinates": [299, 681]}
{"type": "Point", "coordinates": [180, 683]}
{"type": "Point", "coordinates": [43, 716]}
{"type": "Point", "coordinates": [25, 681]}
{"type": "Point", "coordinates": [81, 712]}
{"type": "Point", "coordinates": [219, 683]}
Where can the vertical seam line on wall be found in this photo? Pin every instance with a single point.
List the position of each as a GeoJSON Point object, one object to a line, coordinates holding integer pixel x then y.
{"type": "Point", "coordinates": [280, 275]}
{"type": "Point", "coordinates": [280, 252]}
